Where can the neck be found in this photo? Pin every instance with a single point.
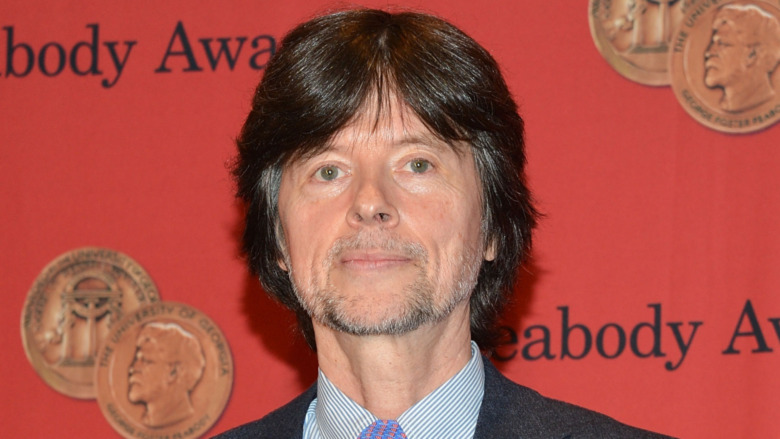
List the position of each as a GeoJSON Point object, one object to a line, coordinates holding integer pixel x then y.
{"type": "Point", "coordinates": [412, 364]}
{"type": "Point", "coordinates": [746, 95]}
{"type": "Point", "coordinates": [166, 412]}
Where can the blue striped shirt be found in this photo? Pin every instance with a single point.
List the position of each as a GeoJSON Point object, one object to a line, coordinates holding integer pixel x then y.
{"type": "Point", "coordinates": [450, 411]}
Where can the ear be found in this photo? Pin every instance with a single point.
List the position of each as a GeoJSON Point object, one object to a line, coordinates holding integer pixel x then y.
{"type": "Point", "coordinates": [490, 251]}
{"type": "Point", "coordinates": [173, 371]}
{"type": "Point", "coordinates": [752, 57]}
{"type": "Point", "coordinates": [282, 264]}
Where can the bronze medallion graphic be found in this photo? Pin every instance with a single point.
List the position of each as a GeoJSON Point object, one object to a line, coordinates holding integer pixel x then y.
{"type": "Point", "coordinates": [70, 309]}
{"type": "Point", "coordinates": [164, 370]}
{"type": "Point", "coordinates": [634, 36]}
{"type": "Point", "coordinates": [725, 64]}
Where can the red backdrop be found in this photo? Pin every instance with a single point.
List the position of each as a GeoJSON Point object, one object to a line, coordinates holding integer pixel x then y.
{"type": "Point", "coordinates": [655, 225]}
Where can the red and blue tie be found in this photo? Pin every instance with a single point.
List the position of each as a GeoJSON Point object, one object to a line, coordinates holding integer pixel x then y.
{"type": "Point", "coordinates": [383, 430]}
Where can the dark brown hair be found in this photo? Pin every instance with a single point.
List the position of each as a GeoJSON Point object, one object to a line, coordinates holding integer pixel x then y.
{"type": "Point", "coordinates": [325, 72]}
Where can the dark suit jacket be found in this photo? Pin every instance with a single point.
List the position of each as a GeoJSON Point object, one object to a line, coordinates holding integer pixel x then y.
{"type": "Point", "coordinates": [509, 411]}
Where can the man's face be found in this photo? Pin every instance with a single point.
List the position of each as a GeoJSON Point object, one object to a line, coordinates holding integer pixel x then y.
{"type": "Point", "coordinates": [382, 229]}
{"type": "Point", "coordinates": [148, 374]}
{"type": "Point", "coordinates": [726, 59]}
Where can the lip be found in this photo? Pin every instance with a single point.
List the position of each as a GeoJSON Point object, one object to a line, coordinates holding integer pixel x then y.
{"type": "Point", "coordinates": [372, 260]}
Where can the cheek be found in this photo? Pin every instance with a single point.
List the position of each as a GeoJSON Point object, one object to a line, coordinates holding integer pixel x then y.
{"type": "Point", "coordinates": [439, 211]}
{"type": "Point", "coordinates": [450, 223]}
{"type": "Point", "coordinates": [300, 241]}
{"type": "Point", "coordinates": [308, 229]}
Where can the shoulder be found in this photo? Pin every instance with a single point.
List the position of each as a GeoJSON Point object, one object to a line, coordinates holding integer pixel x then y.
{"type": "Point", "coordinates": [510, 410]}
{"type": "Point", "coordinates": [284, 422]}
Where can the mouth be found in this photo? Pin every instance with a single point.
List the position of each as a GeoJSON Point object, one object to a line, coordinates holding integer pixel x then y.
{"type": "Point", "coordinates": [372, 260]}
{"type": "Point", "coordinates": [711, 61]}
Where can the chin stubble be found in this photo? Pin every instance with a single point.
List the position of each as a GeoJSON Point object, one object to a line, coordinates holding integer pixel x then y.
{"type": "Point", "coordinates": [330, 308]}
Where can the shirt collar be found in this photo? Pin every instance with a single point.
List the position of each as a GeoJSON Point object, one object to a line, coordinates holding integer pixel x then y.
{"type": "Point", "coordinates": [451, 410]}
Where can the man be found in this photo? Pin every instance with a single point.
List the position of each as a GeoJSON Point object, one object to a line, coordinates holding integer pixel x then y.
{"type": "Point", "coordinates": [382, 169]}
{"type": "Point", "coordinates": [743, 53]}
{"type": "Point", "coordinates": [167, 365]}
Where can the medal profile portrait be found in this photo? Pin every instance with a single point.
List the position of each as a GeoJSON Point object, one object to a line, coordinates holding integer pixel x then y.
{"type": "Point", "coordinates": [167, 365]}
{"type": "Point", "coordinates": [165, 370]}
{"type": "Point", "coordinates": [743, 53]}
{"type": "Point", "coordinates": [725, 63]}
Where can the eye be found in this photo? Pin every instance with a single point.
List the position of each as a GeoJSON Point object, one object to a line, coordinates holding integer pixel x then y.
{"type": "Point", "coordinates": [328, 173]}
{"type": "Point", "coordinates": [419, 166]}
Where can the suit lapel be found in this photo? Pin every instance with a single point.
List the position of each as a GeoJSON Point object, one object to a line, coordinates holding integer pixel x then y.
{"type": "Point", "coordinates": [509, 410]}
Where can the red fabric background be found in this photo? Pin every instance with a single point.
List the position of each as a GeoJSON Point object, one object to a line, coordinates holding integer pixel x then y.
{"type": "Point", "coordinates": [643, 206]}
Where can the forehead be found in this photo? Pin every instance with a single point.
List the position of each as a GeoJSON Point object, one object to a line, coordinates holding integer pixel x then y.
{"type": "Point", "coordinates": [395, 125]}
{"type": "Point", "coordinates": [149, 346]}
{"type": "Point", "coordinates": [382, 122]}
{"type": "Point", "coordinates": [724, 28]}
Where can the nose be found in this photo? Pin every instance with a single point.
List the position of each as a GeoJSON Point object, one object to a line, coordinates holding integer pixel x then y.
{"type": "Point", "coordinates": [373, 205]}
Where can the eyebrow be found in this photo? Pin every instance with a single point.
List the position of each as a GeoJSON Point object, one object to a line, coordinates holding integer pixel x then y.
{"type": "Point", "coordinates": [424, 140]}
